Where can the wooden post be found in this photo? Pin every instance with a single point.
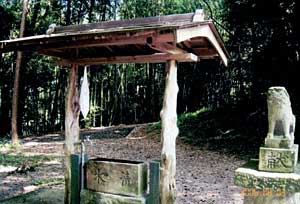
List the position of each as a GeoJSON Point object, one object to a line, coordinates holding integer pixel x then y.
{"type": "Point", "coordinates": [71, 128]}
{"type": "Point", "coordinates": [154, 183]}
{"type": "Point", "coordinates": [168, 136]}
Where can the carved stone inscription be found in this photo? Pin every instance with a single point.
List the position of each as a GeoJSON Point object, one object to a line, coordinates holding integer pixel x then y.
{"type": "Point", "coordinates": [117, 177]}
{"type": "Point", "coordinates": [278, 160]}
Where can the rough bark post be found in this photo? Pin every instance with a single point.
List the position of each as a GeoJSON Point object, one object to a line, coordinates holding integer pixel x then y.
{"type": "Point", "coordinates": [14, 117]}
{"type": "Point", "coordinates": [168, 136]}
{"type": "Point", "coordinates": [71, 128]}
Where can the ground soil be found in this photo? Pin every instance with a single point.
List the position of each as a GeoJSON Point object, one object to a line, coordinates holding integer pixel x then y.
{"type": "Point", "coordinates": [203, 176]}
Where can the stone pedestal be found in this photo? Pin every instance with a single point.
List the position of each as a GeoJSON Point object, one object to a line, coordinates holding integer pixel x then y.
{"type": "Point", "coordinates": [275, 178]}
{"type": "Point", "coordinates": [282, 160]}
{"type": "Point", "coordinates": [268, 187]}
{"type": "Point", "coordinates": [278, 142]}
{"type": "Point", "coordinates": [287, 199]}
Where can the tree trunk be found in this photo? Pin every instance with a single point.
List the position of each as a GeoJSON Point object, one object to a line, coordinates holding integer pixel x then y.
{"type": "Point", "coordinates": [54, 109]}
{"type": "Point", "coordinates": [91, 11]}
{"type": "Point", "coordinates": [68, 13]}
{"type": "Point", "coordinates": [14, 125]}
{"type": "Point", "coordinates": [168, 137]}
{"type": "Point", "coordinates": [71, 128]}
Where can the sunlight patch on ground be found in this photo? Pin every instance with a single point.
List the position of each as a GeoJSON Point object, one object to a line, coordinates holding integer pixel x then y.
{"type": "Point", "coordinates": [28, 144]}
{"type": "Point", "coordinates": [52, 162]}
{"type": "Point", "coordinates": [32, 154]}
{"type": "Point", "coordinates": [7, 169]}
{"type": "Point", "coordinates": [27, 189]}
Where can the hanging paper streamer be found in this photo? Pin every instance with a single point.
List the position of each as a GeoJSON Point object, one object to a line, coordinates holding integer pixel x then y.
{"type": "Point", "coordinates": [85, 95]}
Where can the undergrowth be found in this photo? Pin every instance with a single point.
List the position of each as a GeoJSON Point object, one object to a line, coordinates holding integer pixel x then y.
{"type": "Point", "coordinates": [229, 130]}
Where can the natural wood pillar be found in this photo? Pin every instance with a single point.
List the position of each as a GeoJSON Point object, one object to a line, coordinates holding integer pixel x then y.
{"type": "Point", "coordinates": [71, 128]}
{"type": "Point", "coordinates": [168, 136]}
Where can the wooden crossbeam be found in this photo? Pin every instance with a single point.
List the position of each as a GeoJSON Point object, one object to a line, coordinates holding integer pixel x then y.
{"type": "Point", "coordinates": [156, 58]}
{"type": "Point", "coordinates": [167, 48]}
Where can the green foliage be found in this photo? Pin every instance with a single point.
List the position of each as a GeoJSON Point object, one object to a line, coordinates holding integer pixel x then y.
{"type": "Point", "coordinates": [264, 48]}
{"type": "Point", "coordinates": [226, 129]}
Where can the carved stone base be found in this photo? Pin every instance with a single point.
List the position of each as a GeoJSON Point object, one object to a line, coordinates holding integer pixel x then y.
{"type": "Point", "coordinates": [262, 187]}
{"type": "Point", "coordinates": [278, 143]}
{"type": "Point", "coordinates": [278, 159]}
{"type": "Point", "coordinates": [293, 198]}
{"type": "Point", "coordinates": [91, 197]}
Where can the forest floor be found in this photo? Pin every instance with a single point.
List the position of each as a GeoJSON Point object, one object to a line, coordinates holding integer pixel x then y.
{"type": "Point", "coordinates": [33, 173]}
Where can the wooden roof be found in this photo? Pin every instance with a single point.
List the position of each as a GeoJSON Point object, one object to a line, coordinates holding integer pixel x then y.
{"type": "Point", "coordinates": [183, 37]}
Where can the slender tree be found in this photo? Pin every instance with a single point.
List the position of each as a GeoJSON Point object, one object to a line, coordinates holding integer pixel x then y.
{"type": "Point", "coordinates": [14, 126]}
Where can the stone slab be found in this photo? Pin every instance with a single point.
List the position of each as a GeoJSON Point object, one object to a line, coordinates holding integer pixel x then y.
{"type": "Point", "coordinates": [278, 159]}
{"type": "Point", "coordinates": [278, 142]}
{"type": "Point", "coordinates": [117, 176]}
{"type": "Point", "coordinates": [248, 176]}
{"type": "Point", "coordinates": [91, 197]}
{"type": "Point", "coordinates": [276, 199]}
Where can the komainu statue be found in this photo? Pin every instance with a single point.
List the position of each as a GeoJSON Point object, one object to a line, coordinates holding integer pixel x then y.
{"type": "Point", "coordinates": [280, 115]}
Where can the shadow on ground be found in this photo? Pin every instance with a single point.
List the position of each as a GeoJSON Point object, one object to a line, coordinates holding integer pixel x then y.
{"type": "Point", "coordinates": [44, 196]}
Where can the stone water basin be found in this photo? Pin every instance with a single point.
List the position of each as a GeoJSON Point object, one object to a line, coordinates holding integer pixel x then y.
{"type": "Point", "coordinates": [121, 177]}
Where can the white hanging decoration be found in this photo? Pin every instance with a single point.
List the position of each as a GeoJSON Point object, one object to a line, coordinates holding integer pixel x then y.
{"type": "Point", "coordinates": [85, 95]}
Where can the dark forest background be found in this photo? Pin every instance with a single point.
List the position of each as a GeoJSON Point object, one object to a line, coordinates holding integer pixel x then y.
{"type": "Point", "coordinates": [262, 38]}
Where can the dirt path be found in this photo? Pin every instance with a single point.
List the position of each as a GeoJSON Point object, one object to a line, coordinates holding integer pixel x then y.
{"type": "Point", "coordinates": [203, 176]}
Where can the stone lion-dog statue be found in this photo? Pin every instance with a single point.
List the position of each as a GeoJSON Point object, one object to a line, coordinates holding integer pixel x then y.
{"type": "Point", "coordinates": [280, 112]}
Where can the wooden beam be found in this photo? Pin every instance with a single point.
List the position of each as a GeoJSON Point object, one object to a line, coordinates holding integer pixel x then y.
{"type": "Point", "coordinates": [205, 52]}
{"type": "Point", "coordinates": [156, 58]}
{"type": "Point", "coordinates": [169, 133]}
{"type": "Point", "coordinates": [167, 48]}
{"type": "Point", "coordinates": [52, 53]}
{"type": "Point", "coordinates": [71, 128]}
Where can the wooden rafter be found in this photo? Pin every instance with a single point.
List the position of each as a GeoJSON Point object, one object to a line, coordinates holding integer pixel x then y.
{"type": "Point", "coordinates": [156, 58]}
